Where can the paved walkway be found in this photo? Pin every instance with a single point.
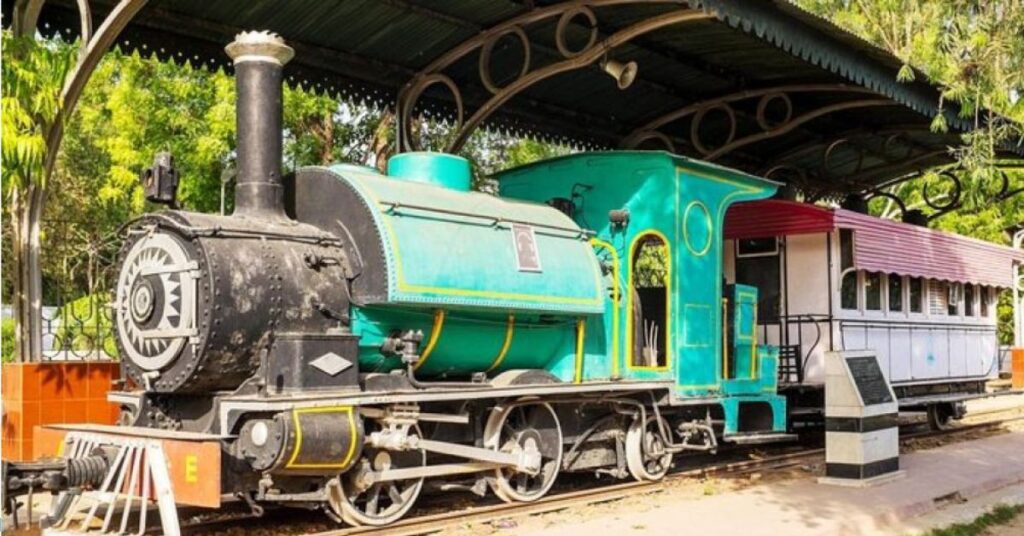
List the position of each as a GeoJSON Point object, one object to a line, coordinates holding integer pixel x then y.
{"type": "Point", "coordinates": [805, 508]}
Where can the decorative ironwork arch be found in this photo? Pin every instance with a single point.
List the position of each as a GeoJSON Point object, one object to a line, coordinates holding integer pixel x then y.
{"type": "Point", "coordinates": [595, 49]}
{"type": "Point", "coordinates": [769, 128]}
{"type": "Point", "coordinates": [952, 201]}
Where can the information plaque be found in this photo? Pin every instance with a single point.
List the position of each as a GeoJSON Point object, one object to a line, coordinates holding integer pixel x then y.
{"type": "Point", "coordinates": [861, 421]}
{"type": "Point", "coordinates": [870, 381]}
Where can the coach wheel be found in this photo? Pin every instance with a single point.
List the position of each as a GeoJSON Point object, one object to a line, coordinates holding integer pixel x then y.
{"type": "Point", "coordinates": [532, 428]}
{"type": "Point", "coordinates": [359, 501]}
{"type": "Point", "coordinates": [646, 456]}
{"type": "Point", "coordinates": [940, 416]}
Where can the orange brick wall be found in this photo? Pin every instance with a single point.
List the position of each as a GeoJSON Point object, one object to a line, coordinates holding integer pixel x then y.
{"type": "Point", "coordinates": [1017, 379]}
{"type": "Point", "coordinates": [53, 393]}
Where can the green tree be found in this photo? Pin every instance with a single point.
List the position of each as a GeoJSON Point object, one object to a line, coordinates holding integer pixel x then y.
{"type": "Point", "coordinates": [33, 75]}
{"type": "Point", "coordinates": [974, 51]}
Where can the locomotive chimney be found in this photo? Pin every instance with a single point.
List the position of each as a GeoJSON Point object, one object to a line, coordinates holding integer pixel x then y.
{"type": "Point", "coordinates": [259, 59]}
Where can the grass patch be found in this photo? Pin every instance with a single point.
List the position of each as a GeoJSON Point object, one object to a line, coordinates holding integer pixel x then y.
{"type": "Point", "coordinates": [999, 515]}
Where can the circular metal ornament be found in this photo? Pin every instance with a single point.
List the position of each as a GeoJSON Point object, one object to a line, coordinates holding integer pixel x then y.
{"type": "Point", "coordinates": [416, 90]}
{"type": "Point", "coordinates": [155, 301]}
{"type": "Point", "coordinates": [832, 149]}
{"type": "Point", "coordinates": [698, 120]}
{"type": "Point", "coordinates": [488, 49]}
{"type": "Point", "coordinates": [954, 197]}
{"type": "Point", "coordinates": [891, 142]}
{"type": "Point", "coordinates": [762, 110]}
{"type": "Point", "coordinates": [563, 24]}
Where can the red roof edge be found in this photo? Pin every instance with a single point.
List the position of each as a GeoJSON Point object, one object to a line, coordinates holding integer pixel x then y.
{"type": "Point", "coordinates": [881, 245]}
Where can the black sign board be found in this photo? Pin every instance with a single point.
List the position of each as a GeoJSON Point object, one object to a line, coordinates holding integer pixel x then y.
{"type": "Point", "coordinates": [869, 379]}
{"type": "Point", "coordinates": [525, 243]}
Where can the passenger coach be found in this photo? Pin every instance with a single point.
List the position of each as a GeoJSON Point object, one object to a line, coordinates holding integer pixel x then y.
{"type": "Point", "coordinates": [837, 279]}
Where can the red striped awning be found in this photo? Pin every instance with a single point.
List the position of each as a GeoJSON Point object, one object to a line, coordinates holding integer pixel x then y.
{"type": "Point", "coordinates": [882, 245]}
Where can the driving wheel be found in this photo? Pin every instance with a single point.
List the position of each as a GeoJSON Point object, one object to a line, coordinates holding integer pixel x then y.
{"type": "Point", "coordinates": [646, 456]}
{"type": "Point", "coordinates": [530, 428]}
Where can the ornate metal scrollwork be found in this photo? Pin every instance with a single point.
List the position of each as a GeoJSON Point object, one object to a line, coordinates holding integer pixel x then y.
{"type": "Point", "coordinates": [488, 49]}
{"type": "Point", "coordinates": [1005, 192]}
{"type": "Point", "coordinates": [698, 121]}
{"type": "Point", "coordinates": [769, 128]}
{"type": "Point", "coordinates": [951, 199]}
{"type": "Point", "coordinates": [596, 48]}
{"type": "Point", "coordinates": [834, 148]}
{"type": "Point", "coordinates": [563, 24]}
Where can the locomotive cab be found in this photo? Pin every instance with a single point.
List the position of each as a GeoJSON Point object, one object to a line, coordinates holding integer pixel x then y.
{"type": "Point", "coordinates": [657, 223]}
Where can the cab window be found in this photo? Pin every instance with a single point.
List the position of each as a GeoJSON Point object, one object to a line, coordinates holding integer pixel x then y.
{"type": "Point", "coordinates": [650, 273]}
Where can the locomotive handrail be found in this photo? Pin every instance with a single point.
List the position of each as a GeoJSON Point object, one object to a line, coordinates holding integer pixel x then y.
{"type": "Point", "coordinates": [580, 232]}
{"type": "Point", "coordinates": [192, 231]}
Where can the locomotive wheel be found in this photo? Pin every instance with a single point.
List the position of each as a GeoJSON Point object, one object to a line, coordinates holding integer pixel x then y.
{"type": "Point", "coordinates": [646, 457]}
{"type": "Point", "coordinates": [940, 417]}
{"type": "Point", "coordinates": [529, 427]}
{"type": "Point", "coordinates": [361, 503]}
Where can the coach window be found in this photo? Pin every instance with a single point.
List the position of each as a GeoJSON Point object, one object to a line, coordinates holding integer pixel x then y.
{"type": "Point", "coordinates": [848, 292]}
{"type": "Point", "coordinates": [916, 293]}
{"type": "Point", "coordinates": [986, 298]}
{"type": "Point", "coordinates": [938, 297]}
{"type": "Point", "coordinates": [954, 292]}
{"type": "Point", "coordinates": [895, 293]}
{"type": "Point", "coordinates": [845, 249]}
{"type": "Point", "coordinates": [873, 291]}
{"type": "Point", "coordinates": [968, 299]}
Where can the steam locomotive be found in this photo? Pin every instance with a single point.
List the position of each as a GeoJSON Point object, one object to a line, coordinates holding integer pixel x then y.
{"type": "Point", "coordinates": [345, 335]}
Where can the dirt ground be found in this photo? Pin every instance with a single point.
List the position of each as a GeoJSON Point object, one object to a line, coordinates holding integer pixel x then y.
{"type": "Point", "coordinates": [1013, 528]}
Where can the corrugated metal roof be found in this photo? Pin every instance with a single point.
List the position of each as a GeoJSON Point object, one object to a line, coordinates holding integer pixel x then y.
{"type": "Point", "coordinates": [366, 50]}
{"type": "Point", "coordinates": [882, 245]}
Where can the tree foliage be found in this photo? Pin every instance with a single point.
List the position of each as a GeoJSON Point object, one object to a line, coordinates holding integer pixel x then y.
{"type": "Point", "coordinates": [33, 75]}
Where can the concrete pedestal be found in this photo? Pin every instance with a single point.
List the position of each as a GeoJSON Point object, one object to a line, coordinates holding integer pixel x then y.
{"type": "Point", "coordinates": [861, 422]}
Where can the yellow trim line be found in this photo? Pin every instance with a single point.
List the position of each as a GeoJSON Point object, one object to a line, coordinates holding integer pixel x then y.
{"type": "Point", "coordinates": [298, 438]}
{"type": "Point", "coordinates": [753, 345]}
{"type": "Point", "coordinates": [725, 338]}
{"type": "Point", "coordinates": [581, 328]}
{"type": "Point", "coordinates": [435, 333]}
{"type": "Point", "coordinates": [616, 302]}
{"type": "Point", "coordinates": [509, 331]}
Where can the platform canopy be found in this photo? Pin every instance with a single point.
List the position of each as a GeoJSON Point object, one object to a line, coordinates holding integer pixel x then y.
{"type": "Point", "coordinates": [761, 85]}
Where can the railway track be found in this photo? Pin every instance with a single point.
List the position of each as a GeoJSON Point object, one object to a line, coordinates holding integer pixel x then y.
{"type": "Point", "coordinates": [435, 522]}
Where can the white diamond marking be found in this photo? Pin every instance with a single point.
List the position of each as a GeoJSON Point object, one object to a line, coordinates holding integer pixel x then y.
{"type": "Point", "coordinates": [331, 363]}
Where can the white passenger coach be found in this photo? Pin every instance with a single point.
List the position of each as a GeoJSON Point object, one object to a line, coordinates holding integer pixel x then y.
{"type": "Point", "coordinates": [834, 279]}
